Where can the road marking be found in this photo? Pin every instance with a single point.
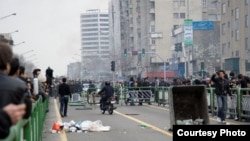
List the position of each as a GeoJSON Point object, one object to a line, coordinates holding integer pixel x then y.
{"type": "Point", "coordinates": [166, 109]}
{"type": "Point", "coordinates": [144, 123]}
{"type": "Point", "coordinates": [62, 134]}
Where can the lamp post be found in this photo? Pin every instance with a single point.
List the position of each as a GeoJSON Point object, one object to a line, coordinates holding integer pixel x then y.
{"type": "Point", "coordinates": [18, 44]}
{"type": "Point", "coordinates": [27, 52]}
{"type": "Point", "coordinates": [13, 32]}
{"type": "Point", "coordinates": [13, 14]}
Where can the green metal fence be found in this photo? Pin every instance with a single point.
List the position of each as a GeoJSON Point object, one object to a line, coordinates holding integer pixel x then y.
{"type": "Point", "coordinates": [32, 128]}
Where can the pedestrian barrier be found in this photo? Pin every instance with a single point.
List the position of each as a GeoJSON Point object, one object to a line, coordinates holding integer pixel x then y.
{"type": "Point", "coordinates": [77, 99]}
{"type": "Point", "coordinates": [30, 129]}
{"type": "Point", "coordinates": [163, 94]}
{"type": "Point", "coordinates": [139, 95]}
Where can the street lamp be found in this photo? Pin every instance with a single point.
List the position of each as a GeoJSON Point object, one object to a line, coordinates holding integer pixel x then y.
{"type": "Point", "coordinates": [18, 44]}
{"type": "Point", "coordinates": [13, 32]}
{"type": "Point", "coordinates": [13, 14]}
{"type": "Point", "coordinates": [33, 55]}
{"type": "Point", "coordinates": [27, 52]}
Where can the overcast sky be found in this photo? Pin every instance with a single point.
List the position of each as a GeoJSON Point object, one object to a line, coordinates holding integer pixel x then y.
{"type": "Point", "coordinates": [49, 27]}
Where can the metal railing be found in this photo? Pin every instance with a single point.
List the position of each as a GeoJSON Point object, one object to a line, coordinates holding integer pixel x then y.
{"type": "Point", "coordinates": [238, 104]}
{"type": "Point", "coordinates": [32, 128]}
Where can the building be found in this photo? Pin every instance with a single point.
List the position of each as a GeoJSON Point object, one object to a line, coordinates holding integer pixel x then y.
{"type": "Point", "coordinates": [235, 32]}
{"type": "Point", "coordinates": [204, 55]}
{"type": "Point", "coordinates": [148, 24]}
{"type": "Point", "coordinates": [73, 71]}
{"type": "Point", "coordinates": [95, 48]}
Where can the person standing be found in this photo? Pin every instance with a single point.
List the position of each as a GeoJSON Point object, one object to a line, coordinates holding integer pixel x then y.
{"type": "Point", "coordinates": [11, 92]}
{"type": "Point", "coordinates": [64, 95]}
{"type": "Point", "coordinates": [222, 89]}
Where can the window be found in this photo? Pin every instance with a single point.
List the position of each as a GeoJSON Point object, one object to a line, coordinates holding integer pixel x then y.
{"type": "Point", "coordinates": [224, 8]}
{"type": "Point", "coordinates": [104, 20]}
{"type": "Point", "coordinates": [103, 24]}
{"type": "Point", "coordinates": [104, 15]}
{"type": "Point", "coordinates": [131, 11]}
{"type": "Point", "coordinates": [237, 36]}
{"type": "Point", "coordinates": [90, 29]}
{"type": "Point", "coordinates": [228, 45]}
{"type": "Point", "coordinates": [223, 48]}
{"type": "Point", "coordinates": [212, 17]}
{"type": "Point", "coordinates": [213, 4]}
{"type": "Point", "coordinates": [228, 3]}
{"type": "Point", "coordinates": [175, 4]}
{"type": "Point", "coordinates": [232, 12]}
{"type": "Point", "coordinates": [246, 2]}
{"type": "Point", "coordinates": [228, 25]}
{"type": "Point", "coordinates": [237, 12]}
{"type": "Point", "coordinates": [237, 53]}
{"type": "Point", "coordinates": [182, 3]}
{"type": "Point", "coordinates": [152, 28]}
{"type": "Point", "coordinates": [223, 28]}
{"type": "Point", "coordinates": [152, 17]}
{"type": "Point", "coordinates": [246, 44]}
{"type": "Point", "coordinates": [182, 15]}
{"type": "Point", "coordinates": [246, 21]}
{"type": "Point", "coordinates": [175, 15]}
{"type": "Point", "coordinates": [88, 16]}
{"type": "Point", "coordinates": [152, 4]}
{"type": "Point", "coordinates": [90, 20]}
{"type": "Point", "coordinates": [152, 41]}
{"type": "Point", "coordinates": [232, 34]}
{"type": "Point", "coordinates": [204, 3]}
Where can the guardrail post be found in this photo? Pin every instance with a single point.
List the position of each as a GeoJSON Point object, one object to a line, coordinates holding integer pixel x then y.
{"type": "Point", "coordinates": [239, 103]}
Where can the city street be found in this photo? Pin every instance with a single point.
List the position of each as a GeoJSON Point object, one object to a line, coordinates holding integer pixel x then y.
{"type": "Point", "coordinates": [147, 123]}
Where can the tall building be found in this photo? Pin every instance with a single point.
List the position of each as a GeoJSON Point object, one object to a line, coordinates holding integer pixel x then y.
{"type": "Point", "coordinates": [235, 32]}
{"type": "Point", "coordinates": [95, 49]}
{"type": "Point", "coordinates": [148, 24]}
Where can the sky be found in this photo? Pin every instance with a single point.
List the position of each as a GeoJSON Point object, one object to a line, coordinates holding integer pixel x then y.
{"type": "Point", "coordinates": [51, 28]}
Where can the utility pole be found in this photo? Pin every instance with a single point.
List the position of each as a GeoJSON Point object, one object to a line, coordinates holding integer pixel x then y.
{"type": "Point", "coordinates": [113, 42]}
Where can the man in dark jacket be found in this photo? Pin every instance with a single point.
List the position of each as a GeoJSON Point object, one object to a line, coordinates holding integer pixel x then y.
{"type": "Point", "coordinates": [106, 92]}
{"type": "Point", "coordinates": [222, 89]}
{"type": "Point", "coordinates": [64, 95]}
{"type": "Point", "coordinates": [11, 90]}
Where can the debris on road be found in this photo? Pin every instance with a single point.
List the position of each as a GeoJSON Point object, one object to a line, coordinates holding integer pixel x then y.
{"type": "Point", "coordinates": [79, 127]}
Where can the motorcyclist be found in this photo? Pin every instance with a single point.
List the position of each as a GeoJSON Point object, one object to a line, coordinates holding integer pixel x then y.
{"type": "Point", "coordinates": [106, 92]}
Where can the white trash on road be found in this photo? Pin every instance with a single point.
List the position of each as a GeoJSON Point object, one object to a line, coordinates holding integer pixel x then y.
{"type": "Point", "coordinates": [72, 126]}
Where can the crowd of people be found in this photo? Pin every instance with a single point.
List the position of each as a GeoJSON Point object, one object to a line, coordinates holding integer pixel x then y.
{"type": "Point", "coordinates": [18, 91]}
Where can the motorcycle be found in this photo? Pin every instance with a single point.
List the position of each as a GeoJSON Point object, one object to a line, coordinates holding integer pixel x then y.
{"type": "Point", "coordinates": [108, 105]}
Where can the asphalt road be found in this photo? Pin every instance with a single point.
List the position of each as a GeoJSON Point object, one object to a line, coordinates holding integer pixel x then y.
{"type": "Point", "coordinates": [137, 123]}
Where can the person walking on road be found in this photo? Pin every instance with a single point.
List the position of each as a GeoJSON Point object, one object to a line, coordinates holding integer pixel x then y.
{"type": "Point", "coordinates": [64, 95]}
{"type": "Point", "coordinates": [222, 90]}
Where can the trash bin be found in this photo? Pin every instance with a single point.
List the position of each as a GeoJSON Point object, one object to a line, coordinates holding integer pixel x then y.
{"type": "Point", "coordinates": [188, 105]}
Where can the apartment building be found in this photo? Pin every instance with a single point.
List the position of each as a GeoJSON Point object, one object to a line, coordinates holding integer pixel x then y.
{"type": "Point", "coordinates": [235, 32]}
{"type": "Point", "coordinates": [148, 24]}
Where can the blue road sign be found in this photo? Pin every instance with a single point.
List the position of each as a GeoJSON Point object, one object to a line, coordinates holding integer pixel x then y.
{"type": "Point", "coordinates": [203, 25]}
